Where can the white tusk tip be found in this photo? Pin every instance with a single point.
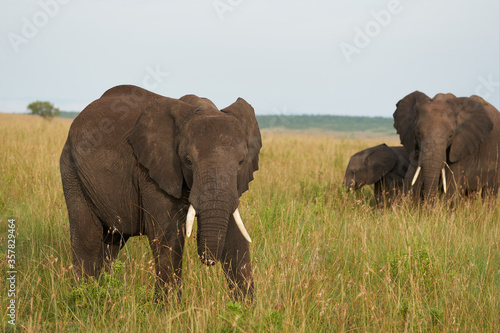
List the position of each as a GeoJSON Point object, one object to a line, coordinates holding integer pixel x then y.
{"type": "Point", "coordinates": [190, 220]}
{"type": "Point", "coordinates": [241, 226]}
{"type": "Point", "coordinates": [415, 177]}
{"type": "Point", "coordinates": [444, 180]}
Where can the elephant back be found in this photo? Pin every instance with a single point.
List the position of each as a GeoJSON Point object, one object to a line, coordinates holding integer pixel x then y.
{"type": "Point", "coordinates": [107, 121]}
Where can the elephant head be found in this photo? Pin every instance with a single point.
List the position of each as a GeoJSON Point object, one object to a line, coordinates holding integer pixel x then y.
{"type": "Point", "coordinates": [191, 145]}
{"type": "Point", "coordinates": [440, 131]}
{"type": "Point", "coordinates": [369, 166]}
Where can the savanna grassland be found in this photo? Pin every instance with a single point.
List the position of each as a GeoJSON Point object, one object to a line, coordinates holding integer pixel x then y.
{"type": "Point", "coordinates": [324, 260]}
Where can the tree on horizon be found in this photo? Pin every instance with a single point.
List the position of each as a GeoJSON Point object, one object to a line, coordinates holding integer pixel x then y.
{"type": "Point", "coordinates": [44, 109]}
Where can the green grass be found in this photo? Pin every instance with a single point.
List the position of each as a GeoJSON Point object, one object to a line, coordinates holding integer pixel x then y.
{"type": "Point", "coordinates": [323, 260]}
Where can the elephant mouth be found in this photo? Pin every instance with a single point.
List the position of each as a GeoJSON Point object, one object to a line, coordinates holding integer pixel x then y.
{"type": "Point", "coordinates": [358, 186]}
{"type": "Point", "coordinates": [351, 184]}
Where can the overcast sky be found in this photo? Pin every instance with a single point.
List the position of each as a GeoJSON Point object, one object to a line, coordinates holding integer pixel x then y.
{"type": "Point", "coordinates": [284, 57]}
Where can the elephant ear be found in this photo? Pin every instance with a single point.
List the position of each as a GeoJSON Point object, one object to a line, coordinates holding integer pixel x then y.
{"type": "Point", "coordinates": [153, 140]}
{"type": "Point", "coordinates": [380, 160]}
{"type": "Point", "coordinates": [404, 118]}
{"type": "Point", "coordinates": [473, 127]}
{"type": "Point", "coordinates": [245, 113]}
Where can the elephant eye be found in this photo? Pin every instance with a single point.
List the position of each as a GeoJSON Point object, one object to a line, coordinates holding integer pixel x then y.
{"type": "Point", "coordinates": [188, 162]}
{"type": "Point", "coordinates": [240, 163]}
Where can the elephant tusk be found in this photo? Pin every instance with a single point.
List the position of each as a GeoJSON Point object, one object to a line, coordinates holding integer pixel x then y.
{"type": "Point", "coordinates": [190, 220]}
{"type": "Point", "coordinates": [416, 175]}
{"type": "Point", "coordinates": [241, 226]}
{"type": "Point", "coordinates": [444, 179]}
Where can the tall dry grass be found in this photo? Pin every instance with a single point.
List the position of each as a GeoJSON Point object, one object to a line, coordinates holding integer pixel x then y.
{"type": "Point", "coordinates": [323, 260]}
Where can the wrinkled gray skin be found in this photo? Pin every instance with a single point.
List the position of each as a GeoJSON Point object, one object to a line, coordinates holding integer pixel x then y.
{"type": "Point", "coordinates": [460, 134]}
{"type": "Point", "coordinates": [383, 166]}
{"type": "Point", "coordinates": [132, 164]}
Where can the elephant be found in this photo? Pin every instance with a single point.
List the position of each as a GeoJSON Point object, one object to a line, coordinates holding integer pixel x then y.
{"type": "Point", "coordinates": [453, 141]}
{"type": "Point", "coordinates": [137, 163]}
{"type": "Point", "coordinates": [383, 166]}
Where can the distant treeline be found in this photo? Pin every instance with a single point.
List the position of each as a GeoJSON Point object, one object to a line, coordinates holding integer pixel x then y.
{"type": "Point", "coordinates": [328, 123]}
{"type": "Point", "coordinates": [68, 114]}
{"type": "Point", "coordinates": [304, 122]}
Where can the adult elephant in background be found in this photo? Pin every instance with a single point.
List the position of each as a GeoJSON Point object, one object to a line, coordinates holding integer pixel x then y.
{"type": "Point", "coordinates": [453, 142]}
{"type": "Point", "coordinates": [135, 161]}
{"type": "Point", "coordinates": [383, 166]}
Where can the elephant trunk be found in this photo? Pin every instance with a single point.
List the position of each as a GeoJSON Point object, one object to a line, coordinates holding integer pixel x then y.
{"type": "Point", "coordinates": [215, 199]}
{"type": "Point", "coordinates": [432, 164]}
{"type": "Point", "coordinates": [213, 217]}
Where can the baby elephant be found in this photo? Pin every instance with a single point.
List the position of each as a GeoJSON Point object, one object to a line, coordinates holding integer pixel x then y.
{"type": "Point", "coordinates": [380, 165]}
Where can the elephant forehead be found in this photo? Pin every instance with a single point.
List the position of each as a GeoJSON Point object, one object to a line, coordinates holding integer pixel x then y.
{"type": "Point", "coordinates": [435, 111]}
{"type": "Point", "coordinates": [221, 130]}
{"type": "Point", "coordinates": [356, 162]}
{"type": "Point", "coordinates": [443, 97]}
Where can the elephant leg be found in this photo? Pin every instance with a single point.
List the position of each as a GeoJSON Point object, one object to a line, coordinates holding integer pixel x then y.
{"type": "Point", "coordinates": [378, 192]}
{"type": "Point", "coordinates": [86, 239]}
{"type": "Point", "coordinates": [113, 242]}
{"type": "Point", "coordinates": [392, 192]}
{"type": "Point", "coordinates": [168, 264]}
{"type": "Point", "coordinates": [85, 227]}
{"type": "Point", "coordinates": [164, 220]}
{"type": "Point", "coordinates": [110, 253]}
{"type": "Point", "coordinates": [488, 192]}
{"type": "Point", "coordinates": [236, 262]}
{"type": "Point", "coordinates": [451, 189]}
{"type": "Point", "coordinates": [456, 186]}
